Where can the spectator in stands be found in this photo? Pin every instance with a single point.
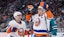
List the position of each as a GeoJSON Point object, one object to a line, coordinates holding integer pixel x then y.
{"type": "Point", "coordinates": [29, 15]}
{"type": "Point", "coordinates": [4, 18]}
{"type": "Point", "coordinates": [0, 19]}
{"type": "Point", "coordinates": [3, 22]}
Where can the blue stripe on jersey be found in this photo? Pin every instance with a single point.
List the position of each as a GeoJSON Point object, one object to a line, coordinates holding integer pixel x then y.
{"type": "Point", "coordinates": [40, 30]}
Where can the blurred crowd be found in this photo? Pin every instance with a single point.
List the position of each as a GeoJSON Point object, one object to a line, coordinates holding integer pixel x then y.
{"type": "Point", "coordinates": [7, 8]}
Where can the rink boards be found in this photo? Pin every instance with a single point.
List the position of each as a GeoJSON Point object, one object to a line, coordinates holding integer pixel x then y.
{"type": "Point", "coordinates": [3, 34]}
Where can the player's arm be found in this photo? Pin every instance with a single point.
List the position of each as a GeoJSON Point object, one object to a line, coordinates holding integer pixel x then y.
{"type": "Point", "coordinates": [53, 27]}
{"type": "Point", "coordinates": [10, 28]}
{"type": "Point", "coordinates": [49, 14]}
{"type": "Point", "coordinates": [27, 31]}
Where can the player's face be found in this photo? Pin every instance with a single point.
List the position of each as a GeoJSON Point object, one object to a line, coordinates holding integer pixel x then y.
{"type": "Point", "coordinates": [39, 11]}
{"type": "Point", "coordinates": [19, 17]}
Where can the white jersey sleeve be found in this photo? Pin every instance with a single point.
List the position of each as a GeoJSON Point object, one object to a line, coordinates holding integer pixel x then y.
{"type": "Point", "coordinates": [24, 25]}
{"type": "Point", "coordinates": [10, 24]}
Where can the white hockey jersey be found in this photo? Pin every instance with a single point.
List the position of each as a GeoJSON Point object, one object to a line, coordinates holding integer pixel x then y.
{"type": "Point", "coordinates": [13, 23]}
{"type": "Point", "coordinates": [44, 24]}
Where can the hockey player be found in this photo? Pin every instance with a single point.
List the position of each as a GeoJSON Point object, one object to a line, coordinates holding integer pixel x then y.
{"type": "Point", "coordinates": [50, 14]}
{"type": "Point", "coordinates": [16, 27]}
{"type": "Point", "coordinates": [43, 23]}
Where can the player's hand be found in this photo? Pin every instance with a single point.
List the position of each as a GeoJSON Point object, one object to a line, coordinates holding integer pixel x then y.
{"type": "Point", "coordinates": [31, 31]}
{"type": "Point", "coordinates": [21, 33]}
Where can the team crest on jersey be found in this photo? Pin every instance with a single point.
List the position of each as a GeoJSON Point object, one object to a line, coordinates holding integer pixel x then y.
{"type": "Point", "coordinates": [37, 20]}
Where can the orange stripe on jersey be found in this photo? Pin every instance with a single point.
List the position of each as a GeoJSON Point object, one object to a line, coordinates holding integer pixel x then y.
{"type": "Point", "coordinates": [49, 14]}
{"type": "Point", "coordinates": [42, 35]}
{"type": "Point", "coordinates": [8, 30]}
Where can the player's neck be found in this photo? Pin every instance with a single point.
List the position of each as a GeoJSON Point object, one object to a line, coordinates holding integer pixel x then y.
{"type": "Point", "coordinates": [18, 21]}
{"type": "Point", "coordinates": [40, 14]}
